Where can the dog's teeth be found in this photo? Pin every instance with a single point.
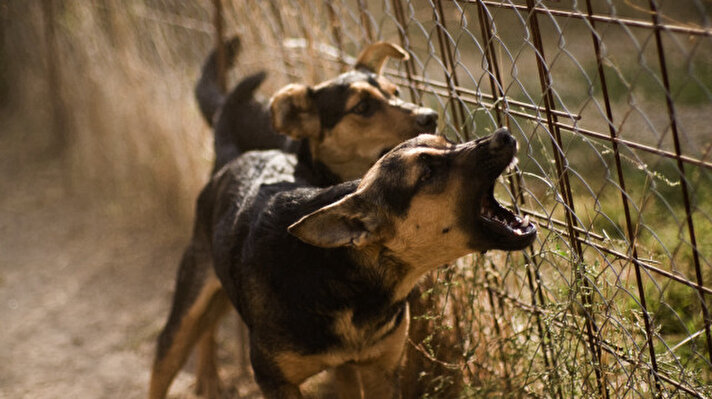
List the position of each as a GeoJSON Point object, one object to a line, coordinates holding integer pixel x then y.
{"type": "Point", "coordinates": [525, 222]}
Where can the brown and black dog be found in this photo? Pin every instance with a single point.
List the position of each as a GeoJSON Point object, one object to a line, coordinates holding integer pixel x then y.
{"type": "Point", "coordinates": [337, 129]}
{"type": "Point", "coordinates": [321, 275]}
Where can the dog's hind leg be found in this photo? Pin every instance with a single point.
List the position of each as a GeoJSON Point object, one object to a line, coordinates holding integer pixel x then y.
{"type": "Point", "coordinates": [198, 303]}
{"type": "Point", "coordinates": [208, 380]}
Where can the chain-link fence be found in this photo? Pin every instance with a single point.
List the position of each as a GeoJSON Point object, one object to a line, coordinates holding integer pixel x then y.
{"type": "Point", "coordinates": [611, 102]}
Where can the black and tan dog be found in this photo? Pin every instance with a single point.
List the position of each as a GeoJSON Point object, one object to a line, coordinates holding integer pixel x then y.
{"type": "Point", "coordinates": [337, 130]}
{"type": "Point", "coordinates": [321, 275]}
{"type": "Point", "coordinates": [339, 127]}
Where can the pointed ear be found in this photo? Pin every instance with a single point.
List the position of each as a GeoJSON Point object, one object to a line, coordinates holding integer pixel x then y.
{"type": "Point", "coordinates": [345, 222]}
{"type": "Point", "coordinates": [294, 112]}
{"type": "Point", "coordinates": [374, 56]}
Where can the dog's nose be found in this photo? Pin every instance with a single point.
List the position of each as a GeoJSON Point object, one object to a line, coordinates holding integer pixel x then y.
{"type": "Point", "coordinates": [502, 139]}
{"type": "Point", "coordinates": [427, 119]}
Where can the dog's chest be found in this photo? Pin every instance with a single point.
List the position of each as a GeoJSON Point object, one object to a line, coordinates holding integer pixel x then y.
{"type": "Point", "coordinates": [359, 338]}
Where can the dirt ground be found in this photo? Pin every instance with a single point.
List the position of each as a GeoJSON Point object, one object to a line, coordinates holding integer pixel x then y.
{"type": "Point", "coordinates": [82, 294]}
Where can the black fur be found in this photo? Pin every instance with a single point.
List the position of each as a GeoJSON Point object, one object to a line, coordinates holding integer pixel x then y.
{"type": "Point", "coordinates": [208, 92]}
{"type": "Point", "coordinates": [297, 277]}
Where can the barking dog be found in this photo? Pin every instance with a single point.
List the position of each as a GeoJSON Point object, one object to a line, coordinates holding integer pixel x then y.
{"type": "Point", "coordinates": [321, 276]}
{"type": "Point", "coordinates": [339, 127]}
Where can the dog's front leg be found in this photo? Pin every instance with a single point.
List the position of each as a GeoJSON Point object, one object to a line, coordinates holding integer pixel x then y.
{"type": "Point", "coordinates": [380, 377]}
{"type": "Point", "coordinates": [275, 387]}
{"type": "Point", "coordinates": [348, 381]}
{"type": "Point", "coordinates": [280, 374]}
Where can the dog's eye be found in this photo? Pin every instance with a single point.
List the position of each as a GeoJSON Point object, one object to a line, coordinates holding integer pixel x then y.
{"type": "Point", "coordinates": [361, 108]}
{"type": "Point", "coordinates": [427, 169]}
{"type": "Point", "coordinates": [396, 92]}
{"type": "Point", "coordinates": [426, 173]}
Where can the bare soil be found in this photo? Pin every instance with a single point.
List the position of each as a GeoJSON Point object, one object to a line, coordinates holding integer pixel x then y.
{"type": "Point", "coordinates": [83, 291]}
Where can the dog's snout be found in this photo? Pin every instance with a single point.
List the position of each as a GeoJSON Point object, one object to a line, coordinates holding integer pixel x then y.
{"type": "Point", "coordinates": [427, 119]}
{"type": "Point", "coordinates": [502, 139]}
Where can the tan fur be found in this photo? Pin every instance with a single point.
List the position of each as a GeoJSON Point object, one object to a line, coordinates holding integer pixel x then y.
{"type": "Point", "coordinates": [208, 380]}
{"type": "Point", "coordinates": [356, 142]}
{"type": "Point", "coordinates": [355, 336]}
{"type": "Point", "coordinates": [428, 217]}
{"type": "Point", "coordinates": [293, 114]}
{"type": "Point", "coordinates": [203, 314]}
{"type": "Point", "coordinates": [375, 364]}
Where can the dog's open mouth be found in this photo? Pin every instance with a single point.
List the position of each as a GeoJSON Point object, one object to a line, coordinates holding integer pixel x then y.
{"type": "Point", "coordinates": [503, 223]}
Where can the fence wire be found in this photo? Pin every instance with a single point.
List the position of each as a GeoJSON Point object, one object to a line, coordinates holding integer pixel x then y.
{"type": "Point", "coordinates": [611, 102]}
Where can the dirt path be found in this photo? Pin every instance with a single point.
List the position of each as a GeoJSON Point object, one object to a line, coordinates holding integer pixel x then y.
{"type": "Point", "coordinates": [82, 297]}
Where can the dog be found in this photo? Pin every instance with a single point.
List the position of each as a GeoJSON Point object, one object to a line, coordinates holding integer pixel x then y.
{"type": "Point", "coordinates": [337, 130]}
{"type": "Point", "coordinates": [339, 127]}
{"type": "Point", "coordinates": [321, 275]}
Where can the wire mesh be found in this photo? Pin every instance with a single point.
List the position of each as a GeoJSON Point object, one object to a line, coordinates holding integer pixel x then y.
{"type": "Point", "coordinates": [610, 102]}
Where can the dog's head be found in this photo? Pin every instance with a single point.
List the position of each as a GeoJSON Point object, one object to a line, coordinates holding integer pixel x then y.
{"type": "Point", "coordinates": [352, 120]}
{"type": "Point", "coordinates": [427, 202]}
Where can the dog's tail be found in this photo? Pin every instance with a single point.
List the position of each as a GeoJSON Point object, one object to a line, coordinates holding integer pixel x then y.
{"type": "Point", "coordinates": [240, 122]}
{"type": "Point", "coordinates": [244, 91]}
{"type": "Point", "coordinates": [243, 125]}
{"type": "Point", "coordinates": [208, 92]}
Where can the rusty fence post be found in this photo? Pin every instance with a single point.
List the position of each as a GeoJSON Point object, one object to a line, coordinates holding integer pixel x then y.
{"type": "Point", "coordinates": [683, 177]}
{"type": "Point", "coordinates": [405, 42]}
{"type": "Point", "coordinates": [219, 43]}
{"type": "Point", "coordinates": [458, 111]}
{"type": "Point", "coordinates": [501, 107]}
{"type": "Point", "coordinates": [624, 198]}
{"type": "Point", "coordinates": [567, 197]}
{"type": "Point", "coordinates": [336, 33]}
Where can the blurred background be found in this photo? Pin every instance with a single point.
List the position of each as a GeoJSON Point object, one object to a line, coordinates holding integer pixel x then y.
{"type": "Point", "coordinates": [103, 151]}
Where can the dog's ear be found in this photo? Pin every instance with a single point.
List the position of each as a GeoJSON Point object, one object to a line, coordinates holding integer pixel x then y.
{"type": "Point", "coordinates": [374, 56]}
{"type": "Point", "coordinates": [347, 222]}
{"type": "Point", "coordinates": [294, 112]}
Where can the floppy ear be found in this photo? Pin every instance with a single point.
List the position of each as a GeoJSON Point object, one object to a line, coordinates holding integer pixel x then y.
{"type": "Point", "coordinates": [374, 56]}
{"type": "Point", "coordinates": [345, 222]}
{"type": "Point", "coordinates": [294, 113]}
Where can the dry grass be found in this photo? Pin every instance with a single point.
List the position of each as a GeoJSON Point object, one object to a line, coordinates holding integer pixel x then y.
{"type": "Point", "coordinates": [135, 138]}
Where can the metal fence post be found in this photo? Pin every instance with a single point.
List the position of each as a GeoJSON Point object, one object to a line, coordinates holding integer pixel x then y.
{"type": "Point", "coordinates": [683, 177]}
{"type": "Point", "coordinates": [565, 187]}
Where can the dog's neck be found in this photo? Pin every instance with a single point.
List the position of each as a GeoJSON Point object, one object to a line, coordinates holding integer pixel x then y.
{"type": "Point", "coordinates": [398, 277]}
{"type": "Point", "coordinates": [313, 171]}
